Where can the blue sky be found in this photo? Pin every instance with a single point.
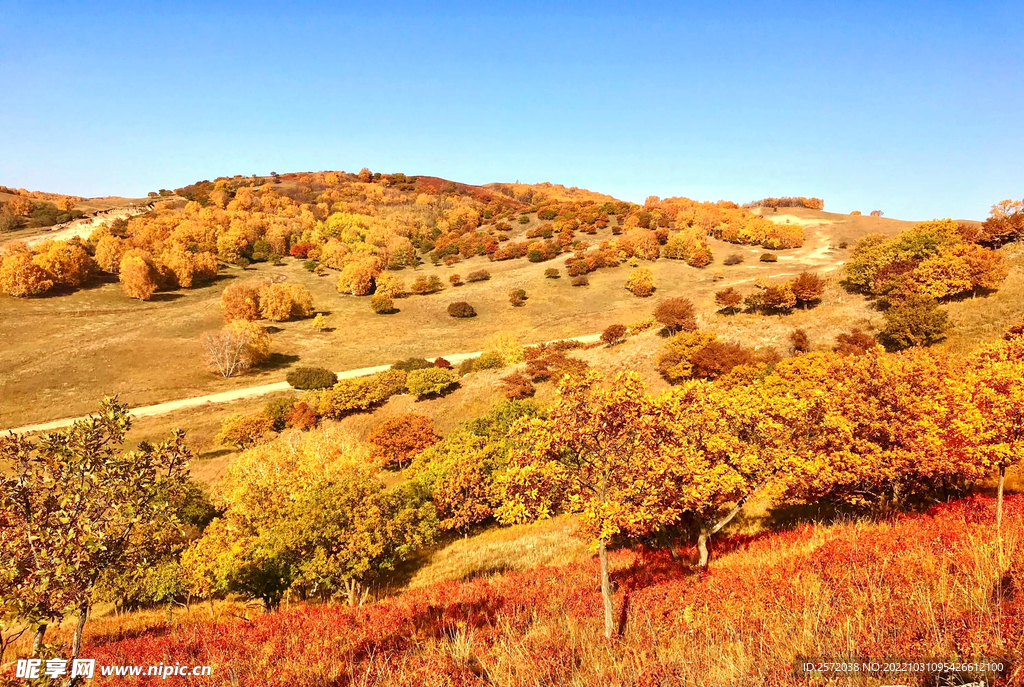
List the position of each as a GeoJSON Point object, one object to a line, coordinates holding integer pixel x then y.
{"type": "Point", "coordinates": [914, 108]}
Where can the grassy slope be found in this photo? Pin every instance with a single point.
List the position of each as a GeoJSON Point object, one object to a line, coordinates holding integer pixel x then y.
{"type": "Point", "coordinates": [65, 352]}
{"type": "Point", "coordinates": [914, 585]}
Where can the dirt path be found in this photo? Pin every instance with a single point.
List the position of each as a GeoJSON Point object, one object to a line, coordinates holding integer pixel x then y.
{"type": "Point", "coordinates": [248, 392]}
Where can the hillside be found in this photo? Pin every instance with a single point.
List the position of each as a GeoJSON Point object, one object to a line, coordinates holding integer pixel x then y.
{"type": "Point", "coordinates": [107, 339]}
{"type": "Point", "coordinates": [808, 590]}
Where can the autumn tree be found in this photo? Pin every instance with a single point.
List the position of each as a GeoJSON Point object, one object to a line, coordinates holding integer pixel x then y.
{"type": "Point", "coordinates": [74, 507]}
{"type": "Point", "coordinates": [306, 515]}
{"type": "Point", "coordinates": [808, 288]}
{"type": "Point", "coordinates": [997, 384]}
{"type": "Point", "coordinates": [397, 440]}
{"type": "Point", "coordinates": [281, 301]}
{"type": "Point", "coordinates": [598, 455]}
{"type": "Point", "coordinates": [238, 347]}
{"type": "Point", "coordinates": [728, 299]}
{"type": "Point", "coordinates": [243, 431]}
{"type": "Point", "coordinates": [241, 301]}
{"type": "Point", "coordinates": [915, 322]}
{"type": "Point", "coordinates": [21, 277]}
{"type": "Point", "coordinates": [613, 334]}
{"type": "Point", "coordinates": [137, 277]}
{"type": "Point", "coordinates": [67, 264]}
{"type": "Point", "coordinates": [641, 282]}
{"type": "Point", "coordinates": [676, 315]}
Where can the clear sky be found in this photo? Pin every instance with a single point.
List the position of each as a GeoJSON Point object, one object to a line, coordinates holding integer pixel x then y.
{"type": "Point", "coordinates": [911, 107]}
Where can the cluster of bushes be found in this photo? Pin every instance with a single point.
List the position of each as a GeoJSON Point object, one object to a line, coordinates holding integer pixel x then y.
{"type": "Point", "coordinates": [804, 291]}
{"type": "Point", "coordinates": [788, 202]}
{"type": "Point", "coordinates": [275, 301]}
{"type": "Point", "coordinates": [937, 259]}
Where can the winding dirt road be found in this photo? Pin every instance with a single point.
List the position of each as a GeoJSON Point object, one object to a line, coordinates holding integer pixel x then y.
{"type": "Point", "coordinates": [248, 392]}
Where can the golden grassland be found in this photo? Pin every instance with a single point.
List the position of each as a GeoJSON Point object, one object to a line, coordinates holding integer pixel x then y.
{"type": "Point", "coordinates": [63, 353]}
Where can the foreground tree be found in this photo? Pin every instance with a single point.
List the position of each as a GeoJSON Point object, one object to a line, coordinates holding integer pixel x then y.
{"type": "Point", "coordinates": [676, 315]}
{"type": "Point", "coordinates": [598, 455]}
{"type": "Point", "coordinates": [74, 507]}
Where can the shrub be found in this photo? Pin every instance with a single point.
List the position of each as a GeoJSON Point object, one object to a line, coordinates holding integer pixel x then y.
{"type": "Point", "coordinates": [355, 395]}
{"type": "Point", "coordinates": [733, 259]}
{"type": "Point", "coordinates": [507, 346]}
{"type": "Point", "coordinates": [430, 381]}
{"type": "Point", "coordinates": [1016, 329]}
{"type": "Point", "coordinates": [478, 275]}
{"type": "Point", "coordinates": [779, 297]}
{"type": "Point", "coordinates": [491, 360]}
{"type": "Point", "coordinates": [278, 409]}
{"type": "Point", "coordinates": [857, 342]}
{"type": "Point", "coordinates": [517, 297]}
{"type": "Point", "coordinates": [461, 309]}
{"type": "Point", "coordinates": [552, 273]}
{"type": "Point", "coordinates": [455, 280]}
{"type": "Point", "coordinates": [307, 378]}
{"type": "Point", "coordinates": [425, 285]}
{"type": "Point", "coordinates": [718, 358]}
{"type": "Point", "coordinates": [524, 219]}
{"type": "Point", "coordinates": [641, 282]}
{"type": "Point", "coordinates": [915, 322]}
{"type": "Point", "coordinates": [301, 250]}
{"type": "Point", "coordinates": [635, 328]}
{"type": "Point", "coordinates": [676, 314]}
{"type": "Point", "coordinates": [382, 304]}
{"type": "Point", "coordinates": [410, 364]}
{"type": "Point", "coordinates": [442, 363]}
{"type": "Point", "coordinates": [855, 213]}
{"type": "Point", "coordinates": [547, 214]}
{"type": "Point", "coordinates": [244, 431]}
{"type": "Point", "coordinates": [465, 367]}
{"type": "Point", "coordinates": [769, 257]}
{"type": "Point", "coordinates": [302, 416]}
{"type": "Point", "coordinates": [397, 440]}
{"type": "Point", "coordinates": [517, 386]}
{"type": "Point", "coordinates": [613, 334]}
{"type": "Point", "coordinates": [581, 280]}
{"type": "Point", "coordinates": [309, 265]}
{"type": "Point", "coordinates": [799, 340]}
{"type": "Point", "coordinates": [728, 299]}
{"type": "Point", "coordinates": [808, 288]}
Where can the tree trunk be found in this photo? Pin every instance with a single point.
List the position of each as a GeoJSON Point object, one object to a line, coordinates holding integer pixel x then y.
{"type": "Point", "coordinates": [170, 612]}
{"type": "Point", "coordinates": [999, 497]}
{"type": "Point", "coordinates": [37, 641]}
{"type": "Point", "coordinates": [213, 616]}
{"type": "Point", "coordinates": [76, 643]}
{"type": "Point", "coordinates": [606, 592]}
{"type": "Point", "coordinates": [702, 547]}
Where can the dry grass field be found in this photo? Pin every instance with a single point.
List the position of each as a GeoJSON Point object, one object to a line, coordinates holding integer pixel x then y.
{"type": "Point", "coordinates": [61, 354]}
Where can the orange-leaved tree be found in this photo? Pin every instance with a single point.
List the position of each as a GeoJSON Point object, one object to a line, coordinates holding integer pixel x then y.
{"type": "Point", "coordinates": [598, 454]}
{"type": "Point", "coordinates": [997, 384]}
{"type": "Point", "coordinates": [398, 440]}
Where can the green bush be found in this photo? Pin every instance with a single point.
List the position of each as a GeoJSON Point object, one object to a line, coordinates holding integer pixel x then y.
{"type": "Point", "coordinates": [430, 381]}
{"type": "Point", "coordinates": [278, 409]}
{"type": "Point", "coordinates": [410, 364]}
{"type": "Point", "coordinates": [461, 309]}
{"type": "Point", "coordinates": [769, 257]}
{"type": "Point", "coordinates": [552, 273]}
{"type": "Point", "coordinates": [916, 322]}
{"type": "Point", "coordinates": [307, 378]}
{"type": "Point", "coordinates": [382, 304]}
{"type": "Point", "coordinates": [524, 219]}
{"type": "Point", "coordinates": [491, 360]}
